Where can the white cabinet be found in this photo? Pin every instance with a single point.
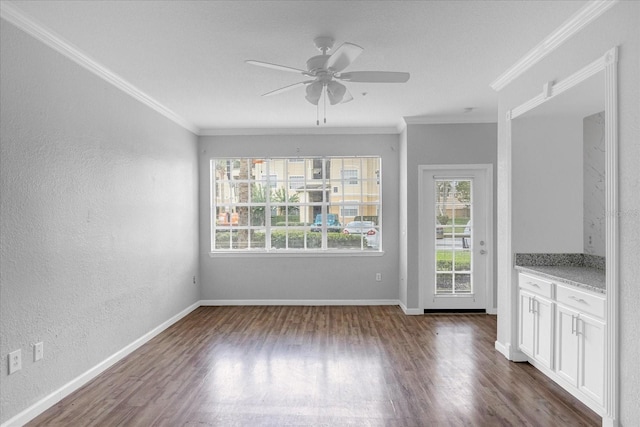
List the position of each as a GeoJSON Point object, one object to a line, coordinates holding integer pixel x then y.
{"type": "Point", "coordinates": [591, 357]}
{"type": "Point", "coordinates": [526, 322]}
{"type": "Point", "coordinates": [580, 338]}
{"type": "Point", "coordinates": [567, 344]}
{"type": "Point", "coordinates": [536, 327]}
{"type": "Point", "coordinates": [562, 330]}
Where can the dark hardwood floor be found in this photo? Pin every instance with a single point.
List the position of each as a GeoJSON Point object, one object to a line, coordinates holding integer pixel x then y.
{"type": "Point", "coordinates": [328, 366]}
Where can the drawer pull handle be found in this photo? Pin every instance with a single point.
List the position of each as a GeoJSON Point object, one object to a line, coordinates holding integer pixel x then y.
{"type": "Point", "coordinates": [533, 284]}
{"type": "Point", "coordinates": [577, 299]}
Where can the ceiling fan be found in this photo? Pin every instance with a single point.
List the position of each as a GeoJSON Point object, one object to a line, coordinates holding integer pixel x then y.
{"type": "Point", "coordinates": [326, 72]}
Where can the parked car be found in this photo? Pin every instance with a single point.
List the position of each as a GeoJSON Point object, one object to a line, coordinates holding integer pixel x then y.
{"type": "Point", "coordinates": [367, 228]}
{"type": "Point", "coordinates": [333, 225]}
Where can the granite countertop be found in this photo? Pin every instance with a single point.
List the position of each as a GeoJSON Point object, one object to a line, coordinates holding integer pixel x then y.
{"type": "Point", "coordinates": [573, 269]}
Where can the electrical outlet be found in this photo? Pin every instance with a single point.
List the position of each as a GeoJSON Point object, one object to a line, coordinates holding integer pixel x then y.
{"type": "Point", "coordinates": [15, 361]}
{"type": "Point", "coordinates": [38, 351]}
{"type": "Point", "coordinates": [378, 277]}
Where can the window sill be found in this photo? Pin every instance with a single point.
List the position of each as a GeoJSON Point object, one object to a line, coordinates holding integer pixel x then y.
{"type": "Point", "coordinates": [296, 254]}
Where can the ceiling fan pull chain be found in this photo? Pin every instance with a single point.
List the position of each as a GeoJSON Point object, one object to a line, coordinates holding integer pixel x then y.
{"type": "Point", "coordinates": [325, 104]}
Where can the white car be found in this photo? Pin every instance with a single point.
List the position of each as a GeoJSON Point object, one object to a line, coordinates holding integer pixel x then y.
{"type": "Point", "coordinates": [368, 228]}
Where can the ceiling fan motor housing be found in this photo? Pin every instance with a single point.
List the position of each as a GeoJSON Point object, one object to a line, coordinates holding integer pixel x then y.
{"type": "Point", "coordinates": [317, 63]}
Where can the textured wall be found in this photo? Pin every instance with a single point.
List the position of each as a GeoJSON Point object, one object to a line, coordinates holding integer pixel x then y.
{"type": "Point", "coordinates": [98, 206]}
{"type": "Point", "coordinates": [617, 27]}
{"type": "Point", "coordinates": [547, 184]}
{"type": "Point", "coordinates": [594, 185]}
{"type": "Point", "coordinates": [270, 277]}
{"type": "Point", "coordinates": [431, 144]}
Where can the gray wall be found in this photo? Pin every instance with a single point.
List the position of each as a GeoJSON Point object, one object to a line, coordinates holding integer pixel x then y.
{"type": "Point", "coordinates": [98, 208]}
{"type": "Point", "coordinates": [439, 144]}
{"type": "Point", "coordinates": [273, 277]}
{"type": "Point", "coordinates": [617, 27]}
{"type": "Point", "coordinates": [547, 188]}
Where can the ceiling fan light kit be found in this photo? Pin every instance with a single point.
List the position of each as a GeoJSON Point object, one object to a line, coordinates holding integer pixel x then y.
{"type": "Point", "coordinates": [325, 69]}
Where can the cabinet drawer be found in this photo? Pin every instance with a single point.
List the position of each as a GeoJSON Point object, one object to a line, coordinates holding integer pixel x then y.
{"type": "Point", "coordinates": [536, 285]}
{"type": "Point", "coordinates": [584, 302]}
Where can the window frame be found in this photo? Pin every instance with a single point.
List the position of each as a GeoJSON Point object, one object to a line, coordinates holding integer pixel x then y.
{"type": "Point", "coordinates": [326, 205]}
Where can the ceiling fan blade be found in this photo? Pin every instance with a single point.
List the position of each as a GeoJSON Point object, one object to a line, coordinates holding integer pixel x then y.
{"type": "Point", "coordinates": [335, 92]}
{"type": "Point", "coordinates": [314, 92]}
{"type": "Point", "coordinates": [374, 77]}
{"type": "Point", "coordinates": [343, 56]}
{"type": "Point", "coordinates": [347, 97]}
{"type": "Point", "coordinates": [276, 67]}
{"type": "Point", "coordinates": [286, 88]}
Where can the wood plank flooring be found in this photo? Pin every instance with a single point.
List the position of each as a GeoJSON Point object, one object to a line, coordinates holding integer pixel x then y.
{"type": "Point", "coordinates": [327, 366]}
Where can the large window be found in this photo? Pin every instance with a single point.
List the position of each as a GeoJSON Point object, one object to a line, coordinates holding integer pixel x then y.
{"type": "Point", "coordinates": [310, 208]}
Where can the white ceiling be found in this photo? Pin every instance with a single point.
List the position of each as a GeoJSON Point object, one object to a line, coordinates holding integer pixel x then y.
{"type": "Point", "coordinates": [189, 55]}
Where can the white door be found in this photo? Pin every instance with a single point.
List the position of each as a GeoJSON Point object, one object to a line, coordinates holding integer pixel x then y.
{"type": "Point", "coordinates": [455, 232]}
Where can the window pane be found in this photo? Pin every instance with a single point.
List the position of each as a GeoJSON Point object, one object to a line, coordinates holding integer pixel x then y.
{"type": "Point", "coordinates": [298, 203]}
{"type": "Point", "coordinates": [463, 283]}
{"type": "Point", "coordinates": [257, 239]}
{"type": "Point", "coordinates": [444, 283]}
{"type": "Point", "coordinates": [453, 236]}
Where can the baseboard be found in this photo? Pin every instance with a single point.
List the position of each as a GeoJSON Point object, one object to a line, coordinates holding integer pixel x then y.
{"type": "Point", "coordinates": [411, 311]}
{"type": "Point", "coordinates": [305, 302]}
{"type": "Point", "coordinates": [507, 351]}
{"type": "Point", "coordinates": [502, 348]}
{"type": "Point", "coordinates": [47, 402]}
{"type": "Point", "coordinates": [455, 311]}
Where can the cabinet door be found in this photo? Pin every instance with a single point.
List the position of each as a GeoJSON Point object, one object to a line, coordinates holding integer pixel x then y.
{"type": "Point", "coordinates": [567, 344]}
{"type": "Point", "coordinates": [526, 323]}
{"type": "Point", "coordinates": [543, 346]}
{"type": "Point", "coordinates": [591, 361]}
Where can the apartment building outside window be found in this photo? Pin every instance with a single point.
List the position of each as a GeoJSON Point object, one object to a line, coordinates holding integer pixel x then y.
{"type": "Point", "coordinates": [294, 205]}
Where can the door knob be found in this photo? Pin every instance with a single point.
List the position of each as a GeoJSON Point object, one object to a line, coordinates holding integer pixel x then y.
{"type": "Point", "coordinates": [482, 252]}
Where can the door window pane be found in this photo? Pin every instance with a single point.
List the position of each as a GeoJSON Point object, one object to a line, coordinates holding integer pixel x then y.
{"type": "Point", "coordinates": [453, 236]}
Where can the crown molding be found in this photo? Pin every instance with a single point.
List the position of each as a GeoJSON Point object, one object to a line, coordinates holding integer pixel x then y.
{"type": "Point", "coordinates": [383, 130]}
{"type": "Point", "coordinates": [18, 18]}
{"type": "Point", "coordinates": [583, 17]}
{"type": "Point", "coordinates": [450, 119]}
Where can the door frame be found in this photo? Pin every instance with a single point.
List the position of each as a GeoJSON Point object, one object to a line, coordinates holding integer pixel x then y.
{"type": "Point", "coordinates": [423, 172]}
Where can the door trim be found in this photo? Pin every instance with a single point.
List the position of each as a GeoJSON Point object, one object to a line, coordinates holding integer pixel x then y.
{"type": "Point", "coordinates": [423, 172]}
